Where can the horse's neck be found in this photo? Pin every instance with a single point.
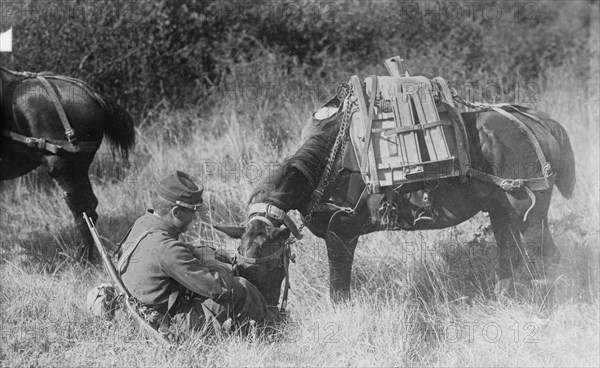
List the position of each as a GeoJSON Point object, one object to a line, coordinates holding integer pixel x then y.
{"type": "Point", "coordinates": [290, 197]}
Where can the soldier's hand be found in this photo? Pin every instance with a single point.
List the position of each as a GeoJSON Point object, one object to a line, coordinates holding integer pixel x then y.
{"type": "Point", "coordinates": [223, 256]}
{"type": "Point", "coordinates": [204, 253]}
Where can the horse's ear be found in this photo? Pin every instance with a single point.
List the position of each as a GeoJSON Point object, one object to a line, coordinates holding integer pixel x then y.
{"type": "Point", "coordinates": [235, 232]}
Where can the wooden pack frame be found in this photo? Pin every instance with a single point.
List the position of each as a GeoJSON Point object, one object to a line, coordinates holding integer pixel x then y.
{"type": "Point", "coordinates": [401, 134]}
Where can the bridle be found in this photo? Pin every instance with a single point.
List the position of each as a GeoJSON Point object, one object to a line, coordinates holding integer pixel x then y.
{"type": "Point", "coordinates": [268, 213]}
{"type": "Point", "coordinates": [272, 215]}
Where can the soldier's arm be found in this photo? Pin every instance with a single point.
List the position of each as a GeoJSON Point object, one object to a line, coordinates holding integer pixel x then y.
{"type": "Point", "coordinates": [211, 279]}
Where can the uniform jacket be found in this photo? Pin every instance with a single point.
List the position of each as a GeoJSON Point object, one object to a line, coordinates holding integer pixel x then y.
{"type": "Point", "coordinates": [161, 263]}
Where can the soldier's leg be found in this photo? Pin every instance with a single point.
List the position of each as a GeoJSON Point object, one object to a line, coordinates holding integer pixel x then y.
{"type": "Point", "coordinates": [245, 304]}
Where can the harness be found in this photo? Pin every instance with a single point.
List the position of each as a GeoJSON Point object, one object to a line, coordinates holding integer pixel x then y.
{"type": "Point", "coordinates": [267, 213]}
{"type": "Point", "coordinates": [536, 184]}
{"type": "Point", "coordinates": [55, 146]}
{"type": "Point", "coordinates": [533, 184]}
{"type": "Point", "coordinates": [349, 107]}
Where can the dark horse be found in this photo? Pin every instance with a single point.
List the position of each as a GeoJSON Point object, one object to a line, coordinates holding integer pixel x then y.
{"type": "Point", "coordinates": [34, 133]}
{"type": "Point", "coordinates": [497, 146]}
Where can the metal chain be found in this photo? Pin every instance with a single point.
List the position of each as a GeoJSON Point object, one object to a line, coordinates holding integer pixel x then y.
{"type": "Point", "coordinates": [338, 146]}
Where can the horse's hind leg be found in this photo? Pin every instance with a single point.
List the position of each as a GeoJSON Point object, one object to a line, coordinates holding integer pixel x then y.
{"type": "Point", "coordinates": [71, 175]}
{"type": "Point", "coordinates": [540, 254]}
{"type": "Point", "coordinates": [535, 263]}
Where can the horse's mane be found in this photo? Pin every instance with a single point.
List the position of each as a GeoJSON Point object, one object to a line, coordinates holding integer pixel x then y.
{"type": "Point", "coordinates": [310, 160]}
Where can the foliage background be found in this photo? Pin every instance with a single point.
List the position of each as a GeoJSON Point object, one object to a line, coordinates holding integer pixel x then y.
{"type": "Point", "coordinates": [145, 52]}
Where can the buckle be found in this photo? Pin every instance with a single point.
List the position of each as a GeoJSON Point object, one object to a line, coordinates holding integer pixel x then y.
{"type": "Point", "coordinates": [72, 138]}
{"type": "Point", "coordinates": [275, 213]}
{"type": "Point", "coordinates": [510, 184]}
{"type": "Point", "coordinates": [39, 143]}
{"type": "Point", "coordinates": [547, 170]}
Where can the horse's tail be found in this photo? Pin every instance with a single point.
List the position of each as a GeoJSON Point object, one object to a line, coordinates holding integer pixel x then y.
{"type": "Point", "coordinates": [565, 172]}
{"type": "Point", "coordinates": [118, 127]}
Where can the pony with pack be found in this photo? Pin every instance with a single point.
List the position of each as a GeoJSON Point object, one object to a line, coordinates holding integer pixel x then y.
{"type": "Point", "coordinates": [395, 153]}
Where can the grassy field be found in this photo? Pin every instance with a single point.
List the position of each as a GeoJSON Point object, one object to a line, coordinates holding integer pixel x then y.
{"type": "Point", "coordinates": [419, 298]}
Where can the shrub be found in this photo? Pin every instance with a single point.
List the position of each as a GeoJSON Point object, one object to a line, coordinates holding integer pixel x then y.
{"type": "Point", "coordinates": [154, 51]}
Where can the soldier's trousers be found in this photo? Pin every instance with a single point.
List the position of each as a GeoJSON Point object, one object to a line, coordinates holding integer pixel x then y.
{"type": "Point", "coordinates": [245, 307]}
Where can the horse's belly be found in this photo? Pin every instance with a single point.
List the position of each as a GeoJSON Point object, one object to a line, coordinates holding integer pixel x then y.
{"type": "Point", "coordinates": [16, 160]}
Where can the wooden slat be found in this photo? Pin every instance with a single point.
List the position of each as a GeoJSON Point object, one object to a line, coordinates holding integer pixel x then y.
{"type": "Point", "coordinates": [408, 141]}
{"type": "Point", "coordinates": [398, 165]}
{"type": "Point", "coordinates": [367, 161]}
{"type": "Point", "coordinates": [370, 154]}
{"type": "Point", "coordinates": [416, 127]}
{"type": "Point", "coordinates": [395, 66]}
{"type": "Point", "coordinates": [426, 111]}
{"type": "Point", "coordinates": [357, 128]}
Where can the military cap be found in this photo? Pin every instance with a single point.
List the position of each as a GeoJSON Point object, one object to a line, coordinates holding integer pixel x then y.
{"type": "Point", "coordinates": [180, 189]}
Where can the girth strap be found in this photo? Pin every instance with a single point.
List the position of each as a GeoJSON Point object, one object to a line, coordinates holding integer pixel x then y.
{"type": "Point", "coordinates": [54, 146]}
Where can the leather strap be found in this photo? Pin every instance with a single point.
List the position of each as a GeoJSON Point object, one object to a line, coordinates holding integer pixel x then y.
{"type": "Point", "coordinates": [260, 260]}
{"type": "Point", "coordinates": [546, 168]}
{"type": "Point", "coordinates": [54, 146]}
{"type": "Point", "coordinates": [272, 212]}
{"type": "Point", "coordinates": [53, 96]}
{"type": "Point", "coordinates": [534, 184]}
{"type": "Point", "coordinates": [129, 250]}
{"type": "Point", "coordinates": [262, 219]}
{"type": "Point", "coordinates": [286, 288]}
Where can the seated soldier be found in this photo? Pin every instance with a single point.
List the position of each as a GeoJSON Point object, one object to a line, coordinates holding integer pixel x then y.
{"type": "Point", "coordinates": [183, 288]}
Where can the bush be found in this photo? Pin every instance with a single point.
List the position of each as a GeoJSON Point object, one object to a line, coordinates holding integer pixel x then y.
{"type": "Point", "coordinates": [149, 52]}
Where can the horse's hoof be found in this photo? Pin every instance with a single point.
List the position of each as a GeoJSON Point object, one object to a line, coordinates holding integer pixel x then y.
{"type": "Point", "coordinates": [505, 289]}
{"type": "Point", "coordinates": [87, 254]}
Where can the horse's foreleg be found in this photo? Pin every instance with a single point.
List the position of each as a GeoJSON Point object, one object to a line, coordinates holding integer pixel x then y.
{"type": "Point", "coordinates": [340, 253]}
{"type": "Point", "coordinates": [73, 180]}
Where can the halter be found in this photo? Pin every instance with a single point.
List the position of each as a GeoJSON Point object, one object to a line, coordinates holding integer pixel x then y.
{"type": "Point", "coordinates": [267, 213]}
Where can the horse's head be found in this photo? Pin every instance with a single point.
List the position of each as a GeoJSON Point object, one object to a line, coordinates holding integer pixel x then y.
{"type": "Point", "coordinates": [263, 254]}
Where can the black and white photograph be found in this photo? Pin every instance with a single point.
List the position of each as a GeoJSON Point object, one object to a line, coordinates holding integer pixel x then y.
{"type": "Point", "coordinates": [311, 183]}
